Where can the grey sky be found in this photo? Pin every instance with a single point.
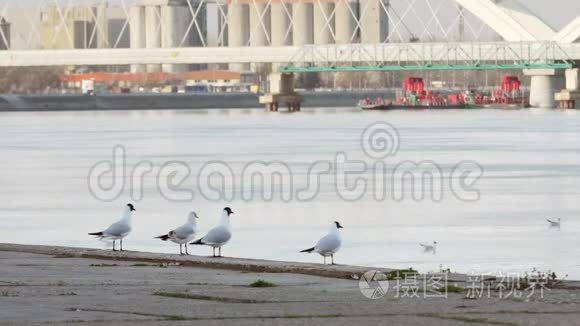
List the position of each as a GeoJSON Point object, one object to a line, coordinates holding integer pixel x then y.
{"type": "Point", "coordinates": [556, 13]}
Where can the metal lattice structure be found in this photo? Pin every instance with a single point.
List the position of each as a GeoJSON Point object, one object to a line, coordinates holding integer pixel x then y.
{"type": "Point", "coordinates": [164, 32]}
{"type": "Point", "coordinates": [435, 56]}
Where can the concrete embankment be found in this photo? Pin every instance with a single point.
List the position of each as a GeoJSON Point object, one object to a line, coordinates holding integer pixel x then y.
{"type": "Point", "coordinates": [238, 264]}
{"type": "Point", "coordinates": [172, 101]}
{"type": "Point", "coordinates": [41, 285]}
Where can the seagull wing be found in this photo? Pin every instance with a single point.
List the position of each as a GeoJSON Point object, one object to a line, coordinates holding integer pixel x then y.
{"type": "Point", "coordinates": [117, 229]}
{"type": "Point", "coordinates": [328, 243]}
{"type": "Point", "coordinates": [184, 232]}
{"type": "Point", "coordinates": [218, 235]}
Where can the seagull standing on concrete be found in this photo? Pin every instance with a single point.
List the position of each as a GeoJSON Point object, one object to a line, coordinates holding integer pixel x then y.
{"type": "Point", "coordinates": [555, 224]}
{"type": "Point", "coordinates": [219, 235]}
{"type": "Point", "coordinates": [118, 230]}
{"type": "Point", "coordinates": [429, 248]}
{"type": "Point", "coordinates": [329, 244]}
{"type": "Point", "coordinates": [183, 234]}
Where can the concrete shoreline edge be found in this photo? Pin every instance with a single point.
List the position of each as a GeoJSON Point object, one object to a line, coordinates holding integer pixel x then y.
{"type": "Point", "coordinates": [226, 263]}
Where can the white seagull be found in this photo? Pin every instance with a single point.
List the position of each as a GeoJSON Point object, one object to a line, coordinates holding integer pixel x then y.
{"type": "Point", "coordinates": [219, 235]}
{"type": "Point", "coordinates": [329, 244]}
{"type": "Point", "coordinates": [183, 234]}
{"type": "Point", "coordinates": [429, 248]}
{"type": "Point", "coordinates": [555, 224]}
{"type": "Point", "coordinates": [118, 230]}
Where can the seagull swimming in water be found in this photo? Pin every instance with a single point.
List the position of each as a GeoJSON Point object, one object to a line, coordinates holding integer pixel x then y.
{"type": "Point", "coordinates": [429, 248]}
{"type": "Point", "coordinates": [219, 235]}
{"type": "Point", "coordinates": [119, 229]}
{"type": "Point", "coordinates": [555, 224]}
{"type": "Point", "coordinates": [329, 244]}
{"type": "Point", "coordinates": [183, 234]}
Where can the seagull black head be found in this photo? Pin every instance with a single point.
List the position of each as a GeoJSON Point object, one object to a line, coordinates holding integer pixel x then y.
{"type": "Point", "coordinates": [338, 226]}
{"type": "Point", "coordinates": [131, 208]}
{"type": "Point", "coordinates": [228, 210]}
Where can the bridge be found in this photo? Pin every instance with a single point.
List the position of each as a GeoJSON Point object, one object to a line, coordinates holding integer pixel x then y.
{"type": "Point", "coordinates": [317, 58]}
{"type": "Point", "coordinates": [294, 36]}
{"type": "Point", "coordinates": [298, 36]}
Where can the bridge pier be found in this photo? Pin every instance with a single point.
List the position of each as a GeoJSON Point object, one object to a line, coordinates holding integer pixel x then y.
{"type": "Point", "coordinates": [567, 97]}
{"type": "Point", "coordinates": [543, 86]}
{"type": "Point", "coordinates": [281, 91]}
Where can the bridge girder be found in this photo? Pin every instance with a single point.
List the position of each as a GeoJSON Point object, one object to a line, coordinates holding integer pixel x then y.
{"type": "Point", "coordinates": [570, 33]}
{"type": "Point", "coordinates": [510, 19]}
{"type": "Point", "coordinates": [456, 54]}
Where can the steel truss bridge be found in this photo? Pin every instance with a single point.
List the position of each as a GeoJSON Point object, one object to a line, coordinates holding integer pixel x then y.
{"type": "Point", "coordinates": [318, 58]}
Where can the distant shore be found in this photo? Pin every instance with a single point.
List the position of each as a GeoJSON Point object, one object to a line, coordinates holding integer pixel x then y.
{"type": "Point", "coordinates": [149, 101]}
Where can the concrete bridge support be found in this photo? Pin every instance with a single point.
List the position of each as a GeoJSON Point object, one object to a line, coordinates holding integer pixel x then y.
{"type": "Point", "coordinates": [281, 92]}
{"type": "Point", "coordinates": [303, 29]}
{"type": "Point", "coordinates": [323, 22]}
{"type": "Point", "coordinates": [260, 30]}
{"type": "Point", "coordinates": [544, 84]}
{"type": "Point", "coordinates": [174, 21]}
{"type": "Point", "coordinates": [102, 26]}
{"type": "Point", "coordinates": [137, 28]}
{"type": "Point", "coordinates": [570, 97]}
{"type": "Point", "coordinates": [238, 30]}
{"type": "Point", "coordinates": [153, 32]}
{"type": "Point", "coordinates": [280, 27]}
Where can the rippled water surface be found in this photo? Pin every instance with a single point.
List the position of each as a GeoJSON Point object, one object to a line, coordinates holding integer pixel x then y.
{"type": "Point", "coordinates": [530, 159]}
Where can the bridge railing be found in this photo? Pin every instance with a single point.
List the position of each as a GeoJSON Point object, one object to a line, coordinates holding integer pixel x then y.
{"type": "Point", "coordinates": [433, 56]}
{"type": "Point", "coordinates": [469, 55]}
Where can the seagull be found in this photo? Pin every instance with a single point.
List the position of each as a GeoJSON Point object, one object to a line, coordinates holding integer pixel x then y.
{"type": "Point", "coordinates": [429, 248]}
{"type": "Point", "coordinates": [329, 244]}
{"type": "Point", "coordinates": [555, 224]}
{"type": "Point", "coordinates": [118, 230]}
{"type": "Point", "coordinates": [183, 234]}
{"type": "Point", "coordinates": [219, 235]}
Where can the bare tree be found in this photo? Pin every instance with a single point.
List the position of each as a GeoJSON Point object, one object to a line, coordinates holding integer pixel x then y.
{"type": "Point", "coordinates": [25, 80]}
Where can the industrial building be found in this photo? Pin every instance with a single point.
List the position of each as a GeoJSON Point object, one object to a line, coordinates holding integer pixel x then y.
{"type": "Point", "coordinates": [194, 23]}
{"type": "Point", "coordinates": [190, 81]}
{"type": "Point", "coordinates": [72, 29]}
{"type": "Point", "coordinates": [301, 22]}
{"type": "Point", "coordinates": [83, 27]}
{"type": "Point", "coordinates": [166, 24]}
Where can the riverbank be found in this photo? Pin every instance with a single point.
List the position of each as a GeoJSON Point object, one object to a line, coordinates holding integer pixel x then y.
{"type": "Point", "coordinates": [174, 101]}
{"type": "Point", "coordinates": [57, 285]}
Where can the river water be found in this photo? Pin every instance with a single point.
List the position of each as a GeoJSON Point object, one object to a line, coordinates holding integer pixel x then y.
{"type": "Point", "coordinates": [529, 162]}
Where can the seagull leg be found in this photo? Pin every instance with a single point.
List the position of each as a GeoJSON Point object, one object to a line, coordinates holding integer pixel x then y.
{"type": "Point", "coordinates": [114, 245]}
{"type": "Point", "coordinates": [180, 249]}
{"type": "Point", "coordinates": [324, 260]}
{"type": "Point", "coordinates": [332, 259]}
{"type": "Point", "coordinates": [187, 253]}
{"type": "Point", "coordinates": [121, 244]}
{"type": "Point", "coordinates": [213, 248]}
{"type": "Point", "coordinates": [219, 251]}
